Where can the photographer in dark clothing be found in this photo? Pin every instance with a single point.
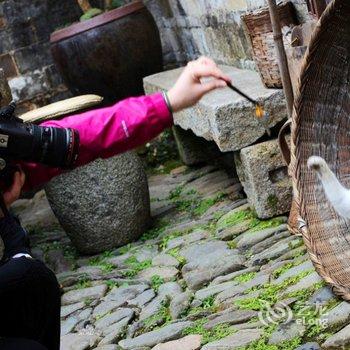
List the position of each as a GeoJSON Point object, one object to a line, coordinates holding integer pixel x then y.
{"type": "Point", "coordinates": [29, 291]}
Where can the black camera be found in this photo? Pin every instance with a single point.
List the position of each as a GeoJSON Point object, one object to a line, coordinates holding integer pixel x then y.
{"type": "Point", "coordinates": [19, 141]}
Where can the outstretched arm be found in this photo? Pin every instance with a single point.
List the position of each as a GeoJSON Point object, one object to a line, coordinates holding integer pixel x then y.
{"type": "Point", "coordinates": [131, 123]}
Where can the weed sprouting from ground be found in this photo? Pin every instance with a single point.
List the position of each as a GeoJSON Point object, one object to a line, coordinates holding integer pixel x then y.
{"type": "Point", "coordinates": [209, 335]}
{"type": "Point", "coordinates": [245, 277]}
{"type": "Point", "coordinates": [156, 282]}
{"type": "Point", "coordinates": [135, 266]}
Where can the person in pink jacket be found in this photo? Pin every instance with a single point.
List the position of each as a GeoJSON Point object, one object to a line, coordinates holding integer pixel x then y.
{"type": "Point", "coordinates": [132, 122]}
{"type": "Point", "coordinates": [29, 291]}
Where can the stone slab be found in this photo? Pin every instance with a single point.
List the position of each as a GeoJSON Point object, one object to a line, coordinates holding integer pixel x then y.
{"type": "Point", "coordinates": [264, 176]}
{"type": "Point", "coordinates": [223, 116]}
{"type": "Point", "coordinates": [191, 342]}
{"type": "Point", "coordinates": [162, 335]}
{"type": "Point", "coordinates": [236, 341]}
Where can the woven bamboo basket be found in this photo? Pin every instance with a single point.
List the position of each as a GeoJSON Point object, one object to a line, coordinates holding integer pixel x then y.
{"type": "Point", "coordinates": [261, 34]}
{"type": "Point", "coordinates": [321, 126]}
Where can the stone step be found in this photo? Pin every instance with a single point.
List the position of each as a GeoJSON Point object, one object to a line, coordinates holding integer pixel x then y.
{"type": "Point", "coordinates": [223, 116]}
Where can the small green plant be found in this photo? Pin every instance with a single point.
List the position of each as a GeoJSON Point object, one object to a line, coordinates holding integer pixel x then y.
{"type": "Point", "coordinates": [111, 284]}
{"type": "Point", "coordinates": [90, 12]}
{"type": "Point", "coordinates": [156, 282]}
{"type": "Point", "coordinates": [255, 224]}
{"type": "Point", "coordinates": [281, 270]}
{"type": "Point", "coordinates": [101, 262]}
{"type": "Point", "coordinates": [162, 317]}
{"type": "Point", "coordinates": [83, 282]}
{"type": "Point", "coordinates": [135, 266]}
{"type": "Point", "coordinates": [88, 301]}
{"type": "Point", "coordinates": [107, 267]}
{"type": "Point", "coordinates": [259, 225]}
{"type": "Point", "coordinates": [93, 12]}
{"type": "Point", "coordinates": [209, 335]}
{"type": "Point", "coordinates": [204, 205]}
{"type": "Point", "coordinates": [232, 219]}
{"type": "Point", "coordinates": [232, 244]}
{"type": "Point", "coordinates": [208, 302]}
{"type": "Point", "coordinates": [175, 194]}
{"type": "Point", "coordinates": [165, 240]}
{"type": "Point", "coordinates": [175, 252]}
{"type": "Point", "coordinates": [158, 228]}
{"type": "Point", "coordinates": [195, 206]}
{"type": "Point", "coordinates": [245, 277]}
{"type": "Point", "coordinates": [192, 191]}
{"type": "Point", "coordinates": [96, 260]}
{"type": "Point", "coordinates": [206, 306]}
{"type": "Point", "coordinates": [125, 249]}
{"type": "Point", "coordinates": [269, 294]}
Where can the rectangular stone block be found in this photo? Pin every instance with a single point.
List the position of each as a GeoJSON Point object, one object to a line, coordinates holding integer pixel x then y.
{"type": "Point", "coordinates": [264, 176]}
{"type": "Point", "coordinates": [223, 116]}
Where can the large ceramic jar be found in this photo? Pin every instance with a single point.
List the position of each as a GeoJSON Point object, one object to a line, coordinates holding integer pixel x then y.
{"type": "Point", "coordinates": [109, 54]}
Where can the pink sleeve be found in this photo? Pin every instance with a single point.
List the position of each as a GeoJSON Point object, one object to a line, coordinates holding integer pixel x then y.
{"type": "Point", "coordinates": [108, 131]}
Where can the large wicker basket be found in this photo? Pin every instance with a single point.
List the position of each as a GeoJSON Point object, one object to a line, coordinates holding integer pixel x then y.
{"type": "Point", "coordinates": [261, 35]}
{"type": "Point", "coordinates": [321, 126]}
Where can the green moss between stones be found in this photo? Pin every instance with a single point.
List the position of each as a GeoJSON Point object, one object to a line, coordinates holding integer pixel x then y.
{"type": "Point", "coordinates": [156, 282]}
{"type": "Point", "coordinates": [194, 206]}
{"type": "Point", "coordinates": [245, 277]}
{"type": "Point", "coordinates": [232, 244]}
{"type": "Point", "coordinates": [269, 294]}
{"type": "Point", "coordinates": [175, 253]}
{"type": "Point", "coordinates": [158, 228]}
{"type": "Point", "coordinates": [111, 284]}
{"type": "Point", "coordinates": [207, 305]}
{"type": "Point", "coordinates": [255, 224]}
{"type": "Point", "coordinates": [259, 225]}
{"type": "Point", "coordinates": [281, 270]}
{"type": "Point", "coordinates": [165, 240]}
{"type": "Point", "coordinates": [209, 335]}
{"type": "Point", "coordinates": [175, 193]}
{"type": "Point", "coordinates": [235, 218]}
{"type": "Point", "coordinates": [83, 282]}
{"type": "Point", "coordinates": [308, 314]}
{"type": "Point", "coordinates": [262, 343]}
{"type": "Point", "coordinates": [135, 266]}
{"type": "Point", "coordinates": [160, 319]}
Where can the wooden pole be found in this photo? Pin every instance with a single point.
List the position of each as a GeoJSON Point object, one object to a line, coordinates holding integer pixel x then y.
{"type": "Point", "coordinates": [281, 56]}
{"type": "Point", "coordinates": [5, 91]}
{"type": "Point", "coordinates": [84, 5]}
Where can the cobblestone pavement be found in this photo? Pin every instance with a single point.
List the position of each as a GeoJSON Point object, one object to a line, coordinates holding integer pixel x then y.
{"type": "Point", "coordinates": [208, 275]}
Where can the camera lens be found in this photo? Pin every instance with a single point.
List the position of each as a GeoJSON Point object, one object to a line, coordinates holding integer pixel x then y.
{"type": "Point", "coordinates": [56, 147]}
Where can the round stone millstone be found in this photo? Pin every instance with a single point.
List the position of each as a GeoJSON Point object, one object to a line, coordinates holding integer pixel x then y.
{"type": "Point", "coordinates": [104, 204]}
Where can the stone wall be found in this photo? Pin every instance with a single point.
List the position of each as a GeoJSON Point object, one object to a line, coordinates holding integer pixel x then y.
{"type": "Point", "coordinates": [25, 28]}
{"type": "Point", "coordinates": [190, 28]}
